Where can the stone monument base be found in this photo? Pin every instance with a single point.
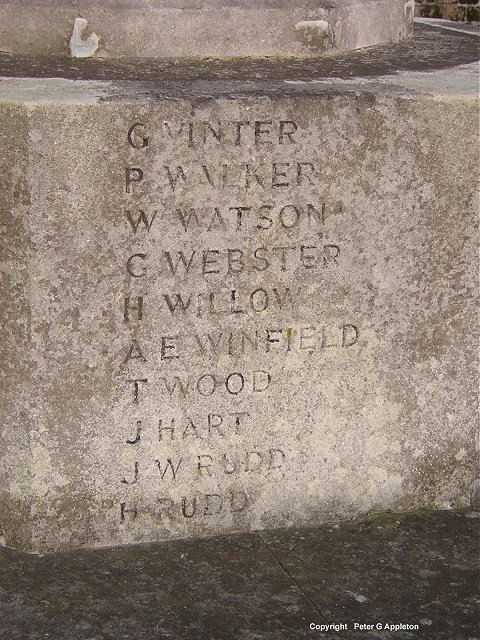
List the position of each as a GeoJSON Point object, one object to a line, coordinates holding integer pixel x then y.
{"type": "Point", "coordinates": [236, 297]}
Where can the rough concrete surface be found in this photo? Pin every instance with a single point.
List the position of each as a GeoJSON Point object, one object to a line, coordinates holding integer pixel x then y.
{"type": "Point", "coordinates": [159, 29]}
{"type": "Point", "coordinates": [417, 569]}
{"type": "Point", "coordinates": [232, 305]}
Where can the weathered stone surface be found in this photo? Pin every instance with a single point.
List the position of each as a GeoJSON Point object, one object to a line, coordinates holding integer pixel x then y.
{"type": "Point", "coordinates": [415, 571]}
{"type": "Point", "coordinates": [290, 279]}
{"type": "Point", "coordinates": [432, 49]}
{"type": "Point", "coordinates": [194, 28]}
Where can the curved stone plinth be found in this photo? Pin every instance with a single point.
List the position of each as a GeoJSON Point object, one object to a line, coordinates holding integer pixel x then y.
{"type": "Point", "coordinates": [194, 28]}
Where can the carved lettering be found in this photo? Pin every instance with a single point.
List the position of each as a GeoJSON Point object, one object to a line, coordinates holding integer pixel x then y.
{"type": "Point", "coordinates": [227, 241]}
{"type": "Point", "coordinates": [123, 511]}
{"type": "Point", "coordinates": [134, 353]}
{"type": "Point", "coordinates": [213, 426]}
{"type": "Point", "coordinates": [133, 175]}
{"type": "Point", "coordinates": [169, 467]}
{"type": "Point", "coordinates": [136, 388]}
{"type": "Point", "coordinates": [137, 139]}
{"type": "Point", "coordinates": [142, 219]}
{"type": "Point", "coordinates": [135, 476]}
{"type": "Point", "coordinates": [137, 436]}
{"type": "Point", "coordinates": [138, 307]}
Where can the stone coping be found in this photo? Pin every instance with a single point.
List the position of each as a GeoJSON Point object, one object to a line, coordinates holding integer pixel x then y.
{"type": "Point", "coordinates": [431, 50]}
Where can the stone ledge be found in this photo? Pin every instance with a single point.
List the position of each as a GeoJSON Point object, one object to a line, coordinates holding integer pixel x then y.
{"type": "Point", "coordinates": [431, 49]}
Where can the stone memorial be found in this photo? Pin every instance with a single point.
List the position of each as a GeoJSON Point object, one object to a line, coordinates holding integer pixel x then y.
{"type": "Point", "coordinates": [233, 297]}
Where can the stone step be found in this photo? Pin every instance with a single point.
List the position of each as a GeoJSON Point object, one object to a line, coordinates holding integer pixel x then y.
{"type": "Point", "coordinates": [194, 28]}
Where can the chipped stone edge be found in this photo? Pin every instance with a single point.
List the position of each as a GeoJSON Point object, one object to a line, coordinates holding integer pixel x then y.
{"type": "Point", "coordinates": [81, 47]}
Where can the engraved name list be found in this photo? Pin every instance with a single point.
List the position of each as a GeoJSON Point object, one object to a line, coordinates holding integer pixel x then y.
{"type": "Point", "coordinates": [229, 274]}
